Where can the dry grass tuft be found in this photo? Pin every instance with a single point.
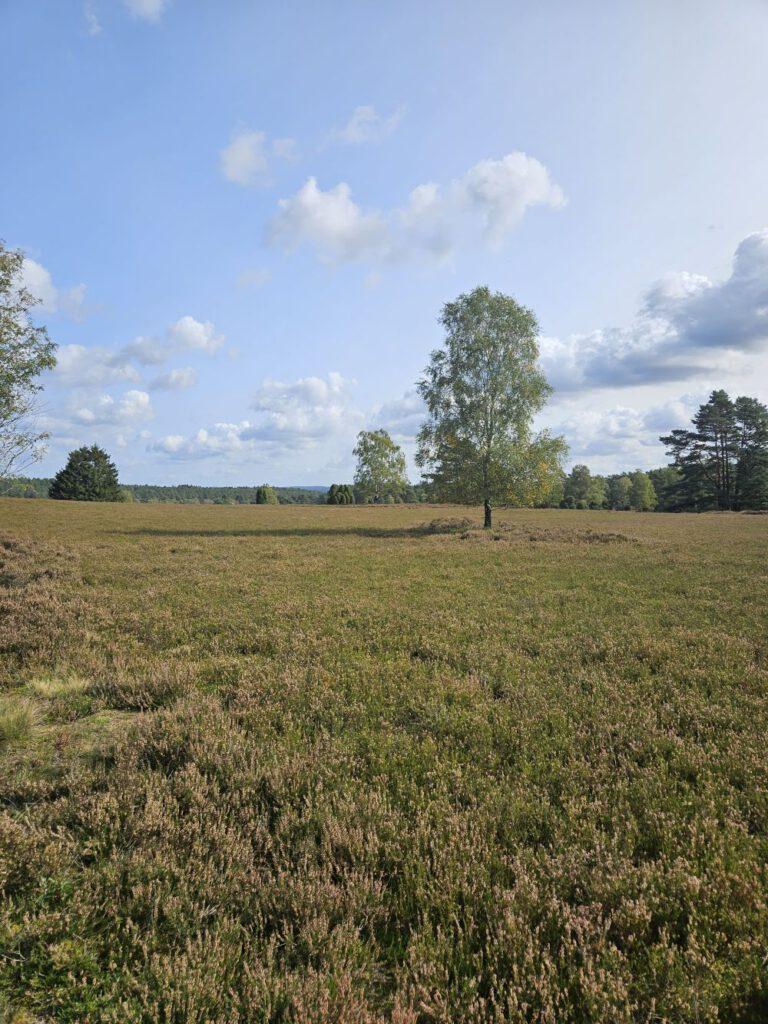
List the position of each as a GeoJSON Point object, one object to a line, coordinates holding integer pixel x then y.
{"type": "Point", "coordinates": [18, 717]}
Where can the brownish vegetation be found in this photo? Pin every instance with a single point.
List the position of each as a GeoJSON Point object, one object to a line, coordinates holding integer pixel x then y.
{"type": "Point", "coordinates": [346, 764]}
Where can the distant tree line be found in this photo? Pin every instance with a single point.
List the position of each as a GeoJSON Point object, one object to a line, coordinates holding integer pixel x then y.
{"type": "Point", "coordinates": [481, 389]}
{"type": "Point", "coordinates": [185, 494]}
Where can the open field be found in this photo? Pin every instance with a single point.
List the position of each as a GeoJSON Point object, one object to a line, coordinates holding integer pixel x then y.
{"type": "Point", "coordinates": [323, 764]}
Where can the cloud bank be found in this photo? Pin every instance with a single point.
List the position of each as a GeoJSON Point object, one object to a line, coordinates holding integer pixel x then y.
{"type": "Point", "coordinates": [484, 205]}
{"type": "Point", "coordinates": [688, 326]}
{"type": "Point", "coordinates": [288, 416]}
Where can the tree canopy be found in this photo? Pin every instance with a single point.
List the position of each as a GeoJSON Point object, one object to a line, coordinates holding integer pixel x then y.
{"type": "Point", "coordinates": [340, 494]}
{"type": "Point", "coordinates": [723, 460]}
{"type": "Point", "coordinates": [266, 495]}
{"type": "Point", "coordinates": [89, 475]}
{"type": "Point", "coordinates": [482, 389]}
{"type": "Point", "coordinates": [381, 470]}
{"type": "Point", "coordinates": [25, 351]}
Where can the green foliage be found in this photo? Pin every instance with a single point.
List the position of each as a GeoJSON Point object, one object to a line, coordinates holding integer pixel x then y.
{"type": "Point", "coordinates": [340, 494]}
{"type": "Point", "coordinates": [266, 495]}
{"type": "Point", "coordinates": [89, 475]}
{"type": "Point", "coordinates": [723, 460]}
{"type": "Point", "coordinates": [642, 495]}
{"type": "Point", "coordinates": [482, 390]}
{"type": "Point", "coordinates": [17, 718]}
{"type": "Point", "coordinates": [620, 492]}
{"type": "Point", "coordinates": [381, 471]}
{"type": "Point", "coordinates": [582, 490]}
{"type": "Point", "coordinates": [25, 352]}
{"type": "Point", "coordinates": [183, 494]}
{"type": "Point", "coordinates": [751, 483]}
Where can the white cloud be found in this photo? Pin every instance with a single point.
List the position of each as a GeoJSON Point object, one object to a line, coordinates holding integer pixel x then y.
{"type": "Point", "coordinates": [37, 280]}
{"type": "Point", "coordinates": [134, 406]}
{"type": "Point", "coordinates": [502, 190]}
{"type": "Point", "coordinates": [302, 411]}
{"type": "Point", "coordinates": [147, 10]}
{"type": "Point", "coordinates": [331, 222]}
{"type": "Point", "coordinates": [484, 205]}
{"type": "Point", "coordinates": [402, 417]}
{"type": "Point", "coordinates": [245, 160]}
{"type": "Point", "coordinates": [293, 416]}
{"type": "Point", "coordinates": [365, 125]}
{"type": "Point", "coordinates": [622, 437]}
{"type": "Point", "coordinates": [175, 380]}
{"type": "Point", "coordinates": [81, 367]}
{"type": "Point", "coordinates": [78, 366]}
{"type": "Point", "coordinates": [687, 327]}
{"type": "Point", "coordinates": [188, 333]}
{"type": "Point", "coordinates": [147, 351]}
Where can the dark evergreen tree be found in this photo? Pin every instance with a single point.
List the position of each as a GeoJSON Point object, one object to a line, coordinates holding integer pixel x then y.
{"type": "Point", "coordinates": [723, 461]}
{"type": "Point", "coordinates": [752, 463]}
{"type": "Point", "coordinates": [89, 475]}
{"type": "Point", "coordinates": [666, 483]}
{"type": "Point", "coordinates": [340, 494]}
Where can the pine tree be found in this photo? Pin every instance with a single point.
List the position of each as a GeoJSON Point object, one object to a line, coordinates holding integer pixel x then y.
{"type": "Point", "coordinates": [723, 461]}
{"type": "Point", "coordinates": [89, 475]}
{"type": "Point", "coordinates": [752, 463]}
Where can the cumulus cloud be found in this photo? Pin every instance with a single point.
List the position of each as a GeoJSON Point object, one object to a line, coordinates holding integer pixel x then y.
{"type": "Point", "coordinates": [484, 205]}
{"type": "Point", "coordinates": [622, 437]}
{"type": "Point", "coordinates": [246, 160]}
{"type": "Point", "coordinates": [147, 10]}
{"type": "Point", "coordinates": [688, 326]}
{"type": "Point", "coordinates": [81, 367]}
{"type": "Point", "coordinates": [331, 222]}
{"type": "Point", "coordinates": [288, 416]}
{"type": "Point", "coordinates": [175, 380]}
{"type": "Point", "coordinates": [188, 333]}
{"type": "Point", "coordinates": [37, 280]}
{"type": "Point", "coordinates": [134, 406]}
{"type": "Point", "coordinates": [366, 125]}
{"type": "Point", "coordinates": [78, 366]}
{"type": "Point", "coordinates": [305, 410]}
{"type": "Point", "coordinates": [402, 417]}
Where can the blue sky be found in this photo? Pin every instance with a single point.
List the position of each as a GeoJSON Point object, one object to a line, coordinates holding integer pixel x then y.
{"type": "Point", "coordinates": [243, 218]}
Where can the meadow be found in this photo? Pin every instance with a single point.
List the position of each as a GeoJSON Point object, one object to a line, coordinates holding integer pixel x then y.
{"type": "Point", "coordinates": [372, 764]}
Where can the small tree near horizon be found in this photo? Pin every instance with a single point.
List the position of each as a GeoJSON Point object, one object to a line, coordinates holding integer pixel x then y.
{"type": "Point", "coordinates": [266, 495]}
{"type": "Point", "coordinates": [340, 494]}
{"type": "Point", "coordinates": [482, 390]}
{"type": "Point", "coordinates": [25, 351]}
{"type": "Point", "coordinates": [381, 468]}
{"type": "Point", "coordinates": [89, 475]}
{"type": "Point", "coordinates": [642, 496]}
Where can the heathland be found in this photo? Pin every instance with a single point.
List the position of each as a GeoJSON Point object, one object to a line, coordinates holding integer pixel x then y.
{"type": "Point", "coordinates": [371, 764]}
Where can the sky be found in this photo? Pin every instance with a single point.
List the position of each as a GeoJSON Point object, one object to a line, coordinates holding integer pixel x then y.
{"type": "Point", "coordinates": [242, 218]}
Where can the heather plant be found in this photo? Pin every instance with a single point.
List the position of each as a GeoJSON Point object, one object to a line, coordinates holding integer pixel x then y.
{"type": "Point", "coordinates": [472, 781]}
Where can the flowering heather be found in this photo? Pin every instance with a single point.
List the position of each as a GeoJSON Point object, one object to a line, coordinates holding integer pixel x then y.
{"type": "Point", "coordinates": [371, 764]}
